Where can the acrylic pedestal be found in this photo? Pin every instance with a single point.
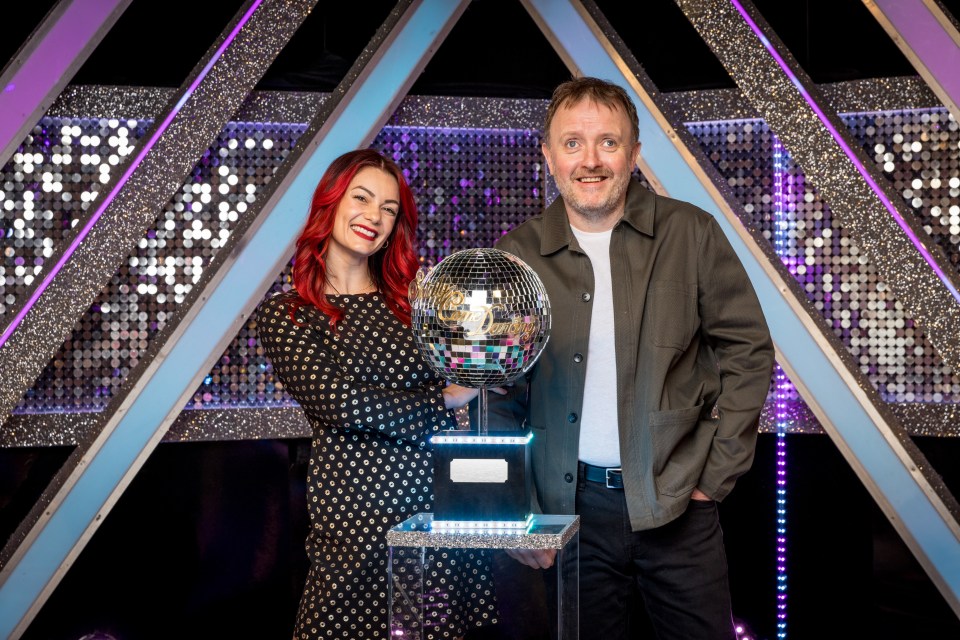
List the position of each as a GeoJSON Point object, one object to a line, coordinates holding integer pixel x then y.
{"type": "Point", "coordinates": [410, 607]}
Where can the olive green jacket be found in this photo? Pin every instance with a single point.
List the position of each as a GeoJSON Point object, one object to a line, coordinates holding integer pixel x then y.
{"type": "Point", "coordinates": [694, 357]}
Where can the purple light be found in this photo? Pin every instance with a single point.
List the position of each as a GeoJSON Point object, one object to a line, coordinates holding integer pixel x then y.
{"type": "Point", "coordinates": [10, 87]}
{"type": "Point", "coordinates": [8, 331]}
{"type": "Point", "coordinates": [784, 207]}
{"type": "Point", "coordinates": [849, 152]}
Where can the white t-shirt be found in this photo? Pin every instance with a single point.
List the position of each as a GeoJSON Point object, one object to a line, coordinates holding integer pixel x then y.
{"type": "Point", "coordinates": [599, 435]}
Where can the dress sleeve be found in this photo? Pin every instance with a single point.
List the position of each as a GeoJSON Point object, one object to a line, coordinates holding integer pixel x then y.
{"type": "Point", "coordinates": [327, 391]}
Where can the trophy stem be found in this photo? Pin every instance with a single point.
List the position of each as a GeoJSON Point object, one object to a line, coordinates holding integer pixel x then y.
{"type": "Point", "coordinates": [482, 411]}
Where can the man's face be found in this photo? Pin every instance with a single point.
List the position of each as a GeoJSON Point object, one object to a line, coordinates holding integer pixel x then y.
{"type": "Point", "coordinates": [591, 156]}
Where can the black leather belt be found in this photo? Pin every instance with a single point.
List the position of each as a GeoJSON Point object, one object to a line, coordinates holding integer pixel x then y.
{"type": "Point", "coordinates": [611, 477]}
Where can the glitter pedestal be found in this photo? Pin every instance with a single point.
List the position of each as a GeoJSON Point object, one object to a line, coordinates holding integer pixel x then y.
{"type": "Point", "coordinates": [414, 613]}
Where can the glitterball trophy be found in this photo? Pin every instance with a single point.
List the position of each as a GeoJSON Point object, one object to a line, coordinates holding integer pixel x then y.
{"type": "Point", "coordinates": [481, 317]}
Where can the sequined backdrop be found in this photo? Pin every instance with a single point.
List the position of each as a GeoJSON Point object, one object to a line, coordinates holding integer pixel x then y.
{"type": "Point", "coordinates": [476, 169]}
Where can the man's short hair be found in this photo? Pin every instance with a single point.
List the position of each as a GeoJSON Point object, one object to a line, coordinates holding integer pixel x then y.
{"type": "Point", "coordinates": [599, 91]}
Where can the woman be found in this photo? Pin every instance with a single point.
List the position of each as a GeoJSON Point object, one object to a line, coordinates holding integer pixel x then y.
{"type": "Point", "coordinates": [341, 344]}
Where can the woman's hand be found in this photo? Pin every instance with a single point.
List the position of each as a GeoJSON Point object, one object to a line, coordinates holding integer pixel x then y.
{"type": "Point", "coordinates": [455, 396]}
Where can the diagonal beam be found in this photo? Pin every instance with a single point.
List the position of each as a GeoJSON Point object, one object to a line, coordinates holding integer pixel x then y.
{"type": "Point", "coordinates": [909, 261]}
{"type": "Point", "coordinates": [850, 409]}
{"type": "Point", "coordinates": [84, 265]}
{"type": "Point", "coordinates": [930, 41]}
{"type": "Point", "coordinates": [138, 191]}
{"type": "Point", "coordinates": [47, 61]}
{"type": "Point", "coordinates": [242, 272]}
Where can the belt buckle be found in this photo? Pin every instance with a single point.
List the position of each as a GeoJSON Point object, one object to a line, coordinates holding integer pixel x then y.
{"type": "Point", "coordinates": [610, 472]}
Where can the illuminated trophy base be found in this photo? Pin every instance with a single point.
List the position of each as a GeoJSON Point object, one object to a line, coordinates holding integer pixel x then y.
{"type": "Point", "coordinates": [481, 481]}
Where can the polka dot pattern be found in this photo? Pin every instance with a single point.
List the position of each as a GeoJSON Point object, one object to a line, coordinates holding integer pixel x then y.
{"type": "Point", "coordinates": [372, 402]}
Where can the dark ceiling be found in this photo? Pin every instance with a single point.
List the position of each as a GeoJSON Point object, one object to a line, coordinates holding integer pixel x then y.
{"type": "Point", "coordinates": [495, 49]}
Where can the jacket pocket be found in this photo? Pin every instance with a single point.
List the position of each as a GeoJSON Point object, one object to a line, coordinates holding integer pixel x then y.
{"type": "Point", "coordinates": [672, 313]}
{"type": "Point", "coordinates": [681, 442]}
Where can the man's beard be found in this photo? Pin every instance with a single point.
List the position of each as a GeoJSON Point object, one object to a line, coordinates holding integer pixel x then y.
{"type": "Point", "coordinates": [595, 211]}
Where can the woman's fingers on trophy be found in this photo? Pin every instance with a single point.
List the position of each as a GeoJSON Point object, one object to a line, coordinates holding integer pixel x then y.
{"type": "Point", "coordinates": [455, 396]}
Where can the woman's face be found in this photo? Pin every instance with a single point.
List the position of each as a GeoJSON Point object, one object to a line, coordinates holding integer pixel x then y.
{"type": "Point", "coordinates": [365, 215]}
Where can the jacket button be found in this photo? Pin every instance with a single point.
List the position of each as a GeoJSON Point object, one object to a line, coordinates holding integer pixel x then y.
{"type": "Point", "coordinates": [585, 296]}
{"type": "Point", "coordinates": [568, 477]}
{"type": "Point", "coordinates": [572, 418]}
{"type": "Point", "coordinates": [578, 357]}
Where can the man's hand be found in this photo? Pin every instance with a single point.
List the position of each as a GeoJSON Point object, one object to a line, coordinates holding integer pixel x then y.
{"type": "Point", "coordinates": [533, 558]}
{"type": "Point", "coordinates": [455, 396]}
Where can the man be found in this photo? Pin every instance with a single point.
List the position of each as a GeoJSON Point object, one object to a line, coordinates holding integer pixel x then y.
{"type": "Point", "coordinates": [644, 404]}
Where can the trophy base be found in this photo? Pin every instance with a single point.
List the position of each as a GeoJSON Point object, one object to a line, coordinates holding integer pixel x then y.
{"type": "Point", "coordinates": [481, 481]}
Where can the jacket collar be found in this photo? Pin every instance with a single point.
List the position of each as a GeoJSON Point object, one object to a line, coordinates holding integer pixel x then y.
{"type": "Point", "coordinates": [638, 213]}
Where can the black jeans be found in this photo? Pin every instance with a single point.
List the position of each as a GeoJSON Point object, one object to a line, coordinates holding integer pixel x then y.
{"type": "Point", "coordinates": [668, 583]}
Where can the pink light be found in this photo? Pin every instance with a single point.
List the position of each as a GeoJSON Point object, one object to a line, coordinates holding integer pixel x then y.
{"type": "Point", "coordinates": [849, 153]}
{"type": "Point", "coordinates": [160, 130]}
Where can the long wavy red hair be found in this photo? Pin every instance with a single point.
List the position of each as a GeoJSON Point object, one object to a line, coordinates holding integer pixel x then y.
{"type": "Point", "coordinates": [392, 268]}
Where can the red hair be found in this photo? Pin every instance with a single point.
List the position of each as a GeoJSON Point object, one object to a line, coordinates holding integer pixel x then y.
{"type": "Point", "coordinates": [391, 268]}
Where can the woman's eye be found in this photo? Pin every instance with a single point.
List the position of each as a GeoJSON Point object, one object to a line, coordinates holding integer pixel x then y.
{"type": "Point", "coordinates": [390, 212]}
{"type": "Point", "coordinates": [361, 198]}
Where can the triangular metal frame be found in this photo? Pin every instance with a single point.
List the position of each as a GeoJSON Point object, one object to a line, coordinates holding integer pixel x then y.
{"type": "Point", "coordinates": [852, 413]}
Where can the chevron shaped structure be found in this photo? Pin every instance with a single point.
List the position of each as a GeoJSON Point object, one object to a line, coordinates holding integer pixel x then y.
{"type": "Point", "coordinates": [906, 257]}
{"type": "Point", "coordinates": [850, 409]}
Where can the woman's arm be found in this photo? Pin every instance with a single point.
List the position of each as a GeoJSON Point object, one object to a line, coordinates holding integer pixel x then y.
{"type": "Point", "coordinates": [329, 393]}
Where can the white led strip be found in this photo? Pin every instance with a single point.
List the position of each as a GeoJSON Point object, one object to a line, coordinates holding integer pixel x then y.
{"type": "Point", "coordinates": [472, 439]}
{"type": "Point", "coordinates": [506, 526]}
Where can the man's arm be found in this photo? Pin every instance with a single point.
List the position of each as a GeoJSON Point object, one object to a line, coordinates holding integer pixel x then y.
{"type": "Point", "coordinates": [732, 322]}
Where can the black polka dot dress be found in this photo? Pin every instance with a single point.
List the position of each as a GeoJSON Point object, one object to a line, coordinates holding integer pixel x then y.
{"type": "Point", "coordinates": [372, 402]}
